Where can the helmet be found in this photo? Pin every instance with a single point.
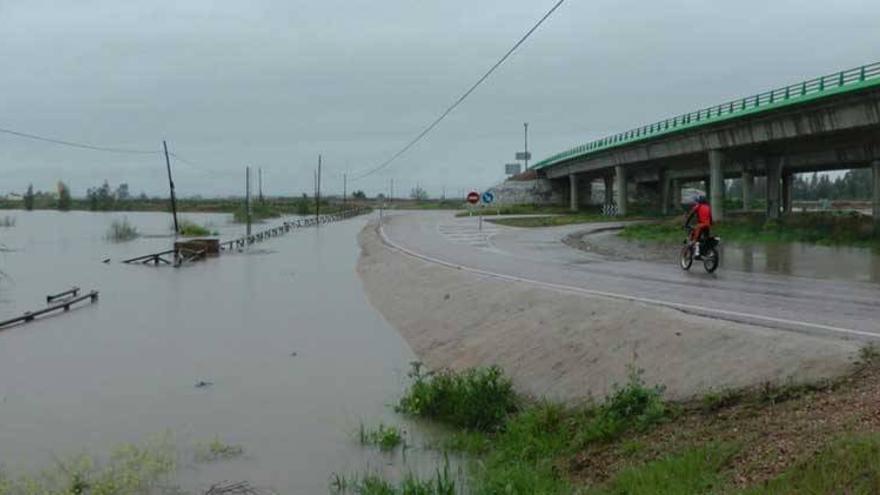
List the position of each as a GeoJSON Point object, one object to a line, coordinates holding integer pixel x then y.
{"type": "Point", "coordinates": [700, 199]}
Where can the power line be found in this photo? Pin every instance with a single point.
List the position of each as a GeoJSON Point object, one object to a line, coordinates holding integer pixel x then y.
{"type": "Point", "coordinates": [462, 97]}
{"type": "Point", "coordinates": [74, 144]}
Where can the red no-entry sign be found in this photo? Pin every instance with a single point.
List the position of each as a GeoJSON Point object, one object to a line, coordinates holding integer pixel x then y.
{"type": "Point", "coordinates": [473, 197]}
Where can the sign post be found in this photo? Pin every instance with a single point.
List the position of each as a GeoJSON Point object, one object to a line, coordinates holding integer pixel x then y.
{"type": "Point", "coordinates": [473, 198]}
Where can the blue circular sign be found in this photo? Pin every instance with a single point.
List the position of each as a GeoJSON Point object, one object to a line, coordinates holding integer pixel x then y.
{"type": "Point", "coordinates": [488, 197]}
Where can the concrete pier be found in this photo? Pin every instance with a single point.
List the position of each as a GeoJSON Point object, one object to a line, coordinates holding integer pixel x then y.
{"type": "Point", "coordinates": [774, 177]}
{"type": "Point", "coordinates": [875, 195]}
{"type": "Point", "coordinates": [573, 192]}
{"type": "Point", "coordinates": [716, 184]}
{"type": "Point", "coordinates": [748, 183]}
{"type": "Point", "coordinates": [620, 186]}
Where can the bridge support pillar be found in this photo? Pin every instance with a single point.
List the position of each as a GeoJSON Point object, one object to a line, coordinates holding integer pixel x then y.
{"type": "Point", "coordinates": [663, 182]}
{"type": "Point", "coordinates": [748, 182]}
{"type": "Point", "coordinates": [620, 186]}
{"type": "Point", "coordinates": [774, 176]}
{"type": "Point", "coordinates": [875, 195]}
{"type": "Point", "coordinates": [573, 192]}
{"type": "Point", "coordinates": [787, 183]}
{"type": "Point", "coordinates": [586, 194]}
{"type": "Point", "coordinates": [676, 196]}
{"type": "Point", "coordinates": [716, 183]}
{"type": "Point", "coordinates": [609, 190]}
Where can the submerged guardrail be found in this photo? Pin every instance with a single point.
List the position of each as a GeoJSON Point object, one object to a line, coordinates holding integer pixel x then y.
{"type": "Point", "coordinates": [286, 227]}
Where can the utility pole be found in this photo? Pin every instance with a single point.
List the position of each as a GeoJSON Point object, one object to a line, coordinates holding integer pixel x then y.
{"type": "Point", "coordinates": [171, 184]}
{"type": "Point", "coordinates": [260, 178]}
{"type": "Point", "coordinates": [392, 191]}
{"type": "Point", "coordinates": [247, 198]}
{"type": "Point", "coordinates": [526, 125]}
{"type": "Point", "coordinates": [344, 188]}
{"type": "Point", "coordinates": [318, 191]}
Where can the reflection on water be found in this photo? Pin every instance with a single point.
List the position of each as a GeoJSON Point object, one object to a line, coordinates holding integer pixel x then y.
{"type": "Point", "coordinates": [296, 356]}
{"type": "Point", "coordinates": [846, 263]}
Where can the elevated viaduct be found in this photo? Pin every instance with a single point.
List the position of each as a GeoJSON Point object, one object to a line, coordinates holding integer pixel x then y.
{"type": "Point", "coordinates": [827, 123]}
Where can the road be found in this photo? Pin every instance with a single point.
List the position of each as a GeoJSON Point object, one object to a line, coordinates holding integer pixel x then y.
{"type": "Point", "coordinates": [538, 257]}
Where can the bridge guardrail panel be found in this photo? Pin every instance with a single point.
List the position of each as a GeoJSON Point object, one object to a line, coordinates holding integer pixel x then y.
{"type": "Point", "coordinates": [802, 92]}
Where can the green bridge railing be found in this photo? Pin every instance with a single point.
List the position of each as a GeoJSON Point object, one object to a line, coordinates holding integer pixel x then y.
{"type": "Point", "coordinates": [840, 82]}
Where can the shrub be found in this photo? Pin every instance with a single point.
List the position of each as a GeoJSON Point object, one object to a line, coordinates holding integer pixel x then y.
{"type": "Point", "coordinates": [217, 450]}
{"type": "Point", "coordinates": [479, 399]}
{"type": "Point", "coordinates": [634, 406]}
{"type": "Point", "coordinates": [188, 228]}
{"type": "Point", "coordinates": [121, 230]}
{"type": "Point", "coordinates": [384, 437]}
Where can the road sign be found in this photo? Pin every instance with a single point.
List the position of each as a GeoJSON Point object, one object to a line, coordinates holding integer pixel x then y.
{"type": "Point", "coordinates": [473, 197]}
{"type": "Point", "coordinates": [512, 168]}
{"type": "Point", "coordinates": [488, 197]}
{"type": "Point", "coordinates": [523, 155]}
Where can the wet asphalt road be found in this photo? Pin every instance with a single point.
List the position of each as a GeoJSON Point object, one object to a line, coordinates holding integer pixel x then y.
{"type": "Point", "coordinates": [833, 308]}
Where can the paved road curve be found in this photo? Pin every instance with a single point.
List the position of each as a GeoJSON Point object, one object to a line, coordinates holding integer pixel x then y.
{"type": "Point", "coordinates": [537, 256]}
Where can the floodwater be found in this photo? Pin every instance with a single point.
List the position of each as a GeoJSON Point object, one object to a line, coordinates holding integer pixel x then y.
{"type": "Point", "coordinates": [125, 369]}
{"type": "Point", "coordinates": [804, 260]}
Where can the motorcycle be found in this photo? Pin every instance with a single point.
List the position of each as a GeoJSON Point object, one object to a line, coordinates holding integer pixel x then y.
{"type": "Point", "coordinates": [708, 251]}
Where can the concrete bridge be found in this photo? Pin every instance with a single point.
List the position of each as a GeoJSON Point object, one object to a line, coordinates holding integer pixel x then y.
{"type": "Point", "coordinates": [827, 123]}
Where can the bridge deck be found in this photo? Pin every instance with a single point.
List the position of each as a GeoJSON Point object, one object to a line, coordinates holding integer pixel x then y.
{"type": "Point", "coordinates": [852, 80]}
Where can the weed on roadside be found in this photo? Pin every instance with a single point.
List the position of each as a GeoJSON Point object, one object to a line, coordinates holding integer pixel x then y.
{"type": "Point", "coordinates": [217, 450]}
{"type": "Point", "coordinates": [387, 438]}
{"type": "Point", "coordinates": [479, 399]}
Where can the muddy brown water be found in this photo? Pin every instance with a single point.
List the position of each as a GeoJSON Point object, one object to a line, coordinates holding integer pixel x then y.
{"type": "Point", "coordinates": [804, 260]}
{"type": "Point", "coordinates": [126, 368]}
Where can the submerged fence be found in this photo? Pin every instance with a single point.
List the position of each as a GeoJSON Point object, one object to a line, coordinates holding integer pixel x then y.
{"type": "Point", "coordinates": [289, 226]}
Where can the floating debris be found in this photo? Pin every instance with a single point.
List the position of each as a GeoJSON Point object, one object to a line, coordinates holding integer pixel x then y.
{"type": "Point", "coordinates": [203, 384]}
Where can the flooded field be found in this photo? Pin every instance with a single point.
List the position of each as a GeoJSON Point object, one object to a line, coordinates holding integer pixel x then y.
{"type": "Point", "coordinates": [295, 356]}
{"type": "Point", "coordinates": [804, 260]}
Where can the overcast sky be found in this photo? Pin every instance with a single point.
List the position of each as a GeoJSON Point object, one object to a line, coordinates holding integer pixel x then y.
{"type": "Point", "coordinates": [273, 83]}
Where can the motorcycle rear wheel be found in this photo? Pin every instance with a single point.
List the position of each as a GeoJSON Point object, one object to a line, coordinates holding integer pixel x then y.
{"type": "Point", "coordinates": [686, 258]}
{"type": "Point", "coordinates": [710, 260]}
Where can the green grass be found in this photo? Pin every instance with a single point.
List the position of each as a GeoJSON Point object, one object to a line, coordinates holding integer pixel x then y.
{"type": "Point", "coordinates": [217, 450]}
{"type": "Point", "coordinates": [442, 483]}
{"type": "Point", "coordinates": [188, 228]}
{"type": "Point", "coordinates": [850, 465]}
{"type": "Point", "coordinates": [827, 228]}
{"type": "Point", "coordinates": [553, 221]}
{"type": "Point", "coordinates": [131, 469]}
{"type": "Point", "coordinates": [519, 448]}
{"type": "Point", "coordinates": [387, 438]}
{"type": "Point", "coordinates": [121, 231]}
{"type": "Point", "coordinates": [477, 399]}
{"type": "Point", "coordinates": [516, 210]}
{"type": "Point", "coordinates": [694, 471]}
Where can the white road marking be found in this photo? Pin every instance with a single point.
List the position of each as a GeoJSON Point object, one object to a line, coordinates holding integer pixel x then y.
{"type": "Point", "coordinates": [702, 310]}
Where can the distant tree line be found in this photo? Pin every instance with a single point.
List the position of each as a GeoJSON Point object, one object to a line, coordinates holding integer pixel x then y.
{"type": "Point", "coordinates": [853, 185]}
{"type": "Point", "coordinates": [103, 198]}
{"type": "Point", "coordinates": [61, 199]}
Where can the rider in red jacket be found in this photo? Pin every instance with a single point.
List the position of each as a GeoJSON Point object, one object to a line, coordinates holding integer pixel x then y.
{"type": "Point", "coordinates": [703, 212]}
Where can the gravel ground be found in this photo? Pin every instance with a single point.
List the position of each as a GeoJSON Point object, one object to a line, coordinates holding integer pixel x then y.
{"type": "Point", "coordinates": [609, 243]}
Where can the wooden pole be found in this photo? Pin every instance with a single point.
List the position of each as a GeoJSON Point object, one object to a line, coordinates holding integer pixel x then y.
{"type": "Point", "coordinates": [247, 198]}
{"type": "Point", "coordinates": [171, 185]}
{"type": "Point", "coordinates": [318, 191]}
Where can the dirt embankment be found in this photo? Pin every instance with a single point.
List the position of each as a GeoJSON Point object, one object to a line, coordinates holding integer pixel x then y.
{"type": "Point", "coordinates": [571, 347]}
